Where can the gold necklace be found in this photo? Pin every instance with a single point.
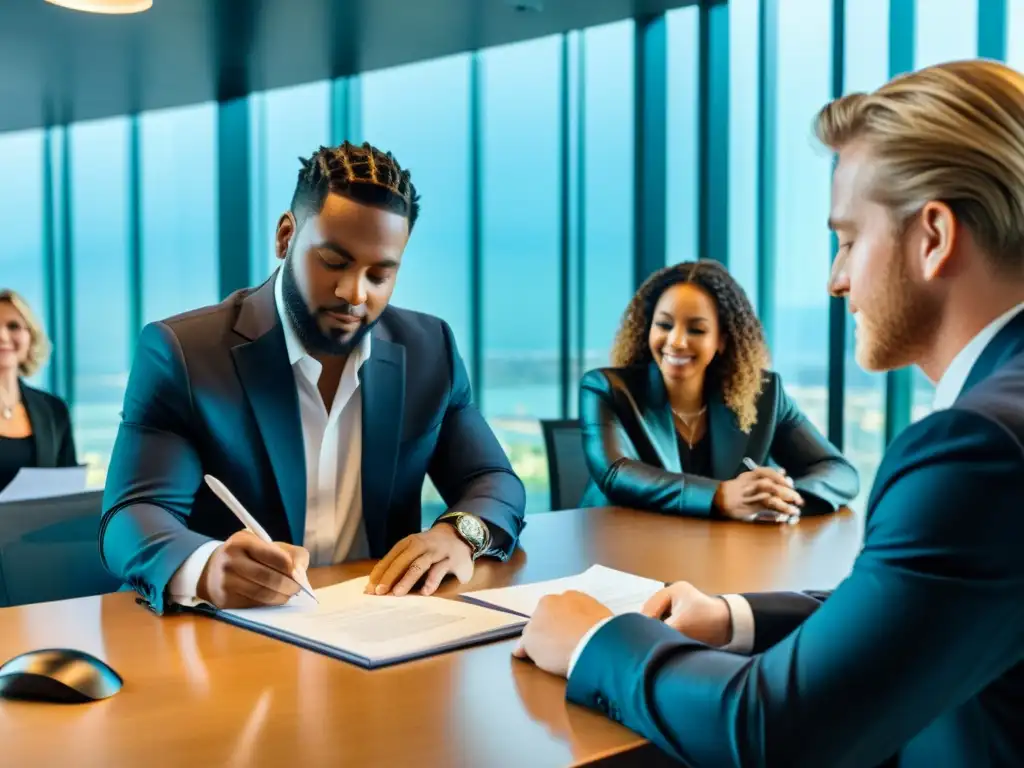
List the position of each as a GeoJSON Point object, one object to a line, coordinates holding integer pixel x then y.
{"type": "Point", "coordinates": [7, 409]}
{"type": "Point", "coordinates": [684, 420]}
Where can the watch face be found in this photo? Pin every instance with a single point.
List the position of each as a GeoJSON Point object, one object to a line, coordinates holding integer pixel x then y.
{"type": "Point", "coordinates": [473, 530]}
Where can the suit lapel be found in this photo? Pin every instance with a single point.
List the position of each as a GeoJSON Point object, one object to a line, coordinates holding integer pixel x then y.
{"type": "Point", "coordinates": [728, 441]}
{"type": "Point", "coordinates": [1006, 344]}
{"type": "Point", "coordinates": [269, 384]}
{"type": "Point", "coordinates": [382, 382]}
{"type": "Point", "coordinates": [43, 429]}
{"type": "Point", "coordinates": [656, 414]}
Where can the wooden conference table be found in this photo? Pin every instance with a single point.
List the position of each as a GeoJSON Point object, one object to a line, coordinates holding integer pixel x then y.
{"type": "Point", "coordinates": [199, 692]}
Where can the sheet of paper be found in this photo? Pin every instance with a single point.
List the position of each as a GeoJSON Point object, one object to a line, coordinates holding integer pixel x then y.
{"type": "Point", "coordinates": [619, 591]}
{"type": "Point", "coordinates": [42, 483]}
{"type": "Point", "coordinates": [379, 628]}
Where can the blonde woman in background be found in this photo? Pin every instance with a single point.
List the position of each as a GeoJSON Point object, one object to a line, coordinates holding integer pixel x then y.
{"type": "Point", "coordinates": [35, 427]}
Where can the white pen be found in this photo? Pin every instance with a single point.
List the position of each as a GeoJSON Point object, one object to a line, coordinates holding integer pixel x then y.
{"type": "Point", "coordinates": [251, 525]}
{"type": "Point", "coordinates": [750, 464]}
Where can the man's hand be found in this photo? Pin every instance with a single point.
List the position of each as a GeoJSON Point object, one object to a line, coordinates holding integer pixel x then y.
{"type": "Point", "coordinates": [700, 617]}
{"type": "Point", "coordinates": [246, 572]}
{"type": "Point", "coordinates": [557, 626]}
{"type": "Point", "coordinates": [434, 554]}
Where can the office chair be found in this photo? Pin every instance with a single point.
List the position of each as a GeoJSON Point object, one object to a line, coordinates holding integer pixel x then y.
{"type": "Point", "coordinates": [49, 550]}
{"type": "Point", "coordinates": [567, 468]}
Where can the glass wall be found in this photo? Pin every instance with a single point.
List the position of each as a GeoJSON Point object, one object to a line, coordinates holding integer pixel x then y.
{"type": "Point", "coordinates": [945, 31]}
{"type": "Point", "coordinates": [99, 244]}
{"type": "Point", "coordinates": [133, 233]}
{"type": "Point", "coordinates": [865, 67]}
{"type": "Point", "coordinates": [22, 220]}
{"type": "Point", "coordinates": [178, 216]}
{"type": "Point", "coordinates": [802, 185]}
{"type": "Point", "coordinates": [521, 222]}
{"type": "Point", "coordinates": [607, 187]}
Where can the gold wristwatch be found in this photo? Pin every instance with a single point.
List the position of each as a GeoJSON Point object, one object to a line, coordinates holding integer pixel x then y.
{"type": "Point", "coordinates": [471, 529]}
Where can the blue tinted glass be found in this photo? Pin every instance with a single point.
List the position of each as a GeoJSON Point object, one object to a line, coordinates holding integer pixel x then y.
{"type": "Point", "coordinates": [178, 210]}
{"type": "Point", "coordinates": [99, 269]}
{"type": "Point", "coordinates": [803, 247]}
{"type": "Point", "coordinates": [683, 120]}
{"type": "Point", "coordinates": [520, 184]}
{"type": "Point", "coordinates": [866, 67]}
{"type": "Point", "coordinates": [420, 113]}
{"type": "Point", "coordinates": [22, 259]}
{"type": "Point", "coordinates": [608, 186]}
{"type": "Point", "coordinates": [287, 123]}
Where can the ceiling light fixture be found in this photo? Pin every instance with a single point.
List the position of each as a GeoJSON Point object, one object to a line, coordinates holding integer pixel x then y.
{"type": "Point", "coordinates": [105, 6]}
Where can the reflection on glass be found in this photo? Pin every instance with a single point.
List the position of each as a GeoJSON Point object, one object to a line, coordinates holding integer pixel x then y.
{"type": "Point", "coordinates": [520, 184]}
{"type": "Point", "coordinates": [946, 30]}
{"type": "Point", "coordinates": [99, 260]}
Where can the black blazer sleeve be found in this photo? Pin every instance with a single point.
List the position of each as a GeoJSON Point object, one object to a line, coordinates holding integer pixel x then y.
{"type": "Point", "coordinates": [154, 472]}
{"type": "Point", "coordinates": [930, 615]}
{"type": "Point", "coordinates": [616, 467]}
{"type": "Point", "coordinates": [822, 475]}
{"type": "Point", "coordinates": [469, 467]}
{"type": "Point", "coordinates": [776, 614]}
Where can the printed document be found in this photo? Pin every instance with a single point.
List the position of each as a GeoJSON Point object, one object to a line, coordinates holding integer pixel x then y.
{"type": "Point", "coordinates": [374, 630]}
{"type": "Point", "coordinates": [621, 592]}
{"type": "Point", "coordinates": [43, 483]}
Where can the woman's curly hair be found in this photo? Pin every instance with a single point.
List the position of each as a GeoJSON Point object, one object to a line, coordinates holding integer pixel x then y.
{"type": "Point", "coordinates": [739, 369]}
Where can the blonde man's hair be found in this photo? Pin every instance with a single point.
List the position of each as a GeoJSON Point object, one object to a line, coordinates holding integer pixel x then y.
{"type": "Point", "coordinates": [952, 133]}
{"type": "Point", "coordinates": [39, 344]}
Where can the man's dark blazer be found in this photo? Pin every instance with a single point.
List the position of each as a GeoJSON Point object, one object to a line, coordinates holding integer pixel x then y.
{"type": "Point", "coordinates": [212, 391]}
{"type": "Point", "coordinates": [51, 428]}
{"type": "Point", "coordinates": [915, 660]}
{"type": "Point", "coordinates": [632, 449]}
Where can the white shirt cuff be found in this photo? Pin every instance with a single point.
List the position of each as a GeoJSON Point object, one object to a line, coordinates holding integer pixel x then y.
{"type": "Point", "coordinates": [583, 641]}
{"type": "Point", "coordinates": [742, 625]}
{"type": "Point", "coordinates": [184, 584]}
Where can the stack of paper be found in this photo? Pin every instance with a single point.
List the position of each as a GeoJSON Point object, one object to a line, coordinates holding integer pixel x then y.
{"type": "Point", "coordinates": [621, 592]}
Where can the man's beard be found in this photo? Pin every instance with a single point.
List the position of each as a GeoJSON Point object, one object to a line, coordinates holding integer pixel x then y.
{"type": "Point", "coordinates": [305, 324]}
{"type": "Point", "coordinates": [902, 322]}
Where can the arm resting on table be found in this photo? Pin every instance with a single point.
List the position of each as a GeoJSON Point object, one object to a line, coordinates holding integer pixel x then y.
{"type": "Point", "coordinates": [616, 467]}
{"type": "Point", "coordinates": [924, 572]}
{"type": "Point", "coordinates": [154, 473]}
{"type": "Point", "coordinates": [825, 478]}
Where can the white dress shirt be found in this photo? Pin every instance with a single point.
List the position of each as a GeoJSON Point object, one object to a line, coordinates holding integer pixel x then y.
{"type": "Point", "coordinates": [333, 446]}
{"type": "Point", "coordinates": [946, 392]}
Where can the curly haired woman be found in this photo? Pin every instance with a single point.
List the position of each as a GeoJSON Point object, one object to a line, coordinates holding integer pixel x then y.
{"type": "Point", "coordinates": [689, 418]}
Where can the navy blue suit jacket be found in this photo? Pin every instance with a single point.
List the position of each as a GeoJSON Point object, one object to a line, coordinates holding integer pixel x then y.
{"type": "Point", "coordinates": [211, 391]}
{"type": "Point", "coordinates": [915, 660]}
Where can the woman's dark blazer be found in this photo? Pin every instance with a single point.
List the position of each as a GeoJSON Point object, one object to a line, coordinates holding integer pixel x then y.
{"type": "Point", "coordinates": [51, 428]}
{"type": "Point", "coordinates": [632, 450]}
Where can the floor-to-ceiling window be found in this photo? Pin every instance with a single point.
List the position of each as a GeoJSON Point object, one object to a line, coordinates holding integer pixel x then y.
{"type": "Point", "coordinates": [286, 124]}
{"type": "Point", "coordinates": [22, 220]}
{"type": "Point", "coordinates": [99, 243]}
{"type": "Point", "coordinates": [682, 130]}
{"type": "Point", "coordinates": [802, 183]}
{"type": "Point", "coordinates": [178, 210]}
{"type": "Point", "coordinates": [865, 67]}
{"type": "Point", "coordinates": [520, 182]}
{"type": "Point", "coordinates": [607, 188]}
{"type": "Point", "coordinates": [944, 30]}
{"type": "Point", "coordinates": [434, 277]}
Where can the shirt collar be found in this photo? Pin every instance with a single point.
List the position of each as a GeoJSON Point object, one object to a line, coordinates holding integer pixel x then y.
{"type": "Point", "coordinates": [296, 351]}
{"type": "Point", "coordinates": [953, 380]}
